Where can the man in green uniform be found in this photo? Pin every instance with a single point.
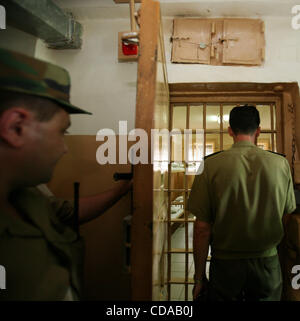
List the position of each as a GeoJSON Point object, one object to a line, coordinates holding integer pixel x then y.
{"type": "Point", "coordinates": [239, 201]}
{"type": "Point", "coordinates": [40, 252]}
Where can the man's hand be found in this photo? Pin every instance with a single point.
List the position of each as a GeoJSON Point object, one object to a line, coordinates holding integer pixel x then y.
{"type": "Point", "coordinates": [200, 290]}
{"type": "Point", "coordinates": [201, 239]}
{"type": "Point", "coordinates": [196, 290]}
{"type": "Point", "coordinates": [123, 187]}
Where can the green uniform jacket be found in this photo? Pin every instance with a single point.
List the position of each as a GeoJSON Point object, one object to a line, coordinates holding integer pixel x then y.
{"type": "Point", "coordinates": [42, 256]}
{"type": "Point", "coordinates": [243, 192]}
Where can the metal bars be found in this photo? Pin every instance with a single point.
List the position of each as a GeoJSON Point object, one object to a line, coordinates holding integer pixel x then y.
{"type": "Point", "coordinates": [183, 187]}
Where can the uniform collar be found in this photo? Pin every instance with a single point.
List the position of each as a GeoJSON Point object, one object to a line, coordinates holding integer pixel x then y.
{"type": "Point", "coordinates": [243, 143]}
{"type": "Point", "coordinates": [38, 210]}
{"type": "Point", "coordinates": [31, 203]}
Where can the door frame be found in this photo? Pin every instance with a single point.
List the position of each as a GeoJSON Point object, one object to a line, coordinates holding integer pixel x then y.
{"type": "Point", "coordinates": [284, 95]}
{"type": "Point", "coordinates": [142, 249]}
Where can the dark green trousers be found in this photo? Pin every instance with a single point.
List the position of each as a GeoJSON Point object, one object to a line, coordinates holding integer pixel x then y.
{"type": "Point", "coordinates": [256, 279]}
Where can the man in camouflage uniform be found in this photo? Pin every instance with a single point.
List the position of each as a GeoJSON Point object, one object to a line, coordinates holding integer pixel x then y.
{"type": "Point", "coordinates": [39, 249]}
{"type": "Point", "coordinates": [239, 201]}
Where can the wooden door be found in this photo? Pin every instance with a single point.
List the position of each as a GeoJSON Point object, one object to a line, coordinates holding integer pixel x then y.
{"type": "Point", "coordinates": [149, 222]}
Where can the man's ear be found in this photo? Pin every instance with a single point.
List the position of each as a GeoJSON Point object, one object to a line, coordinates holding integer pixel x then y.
{"type": "Point", "coordinates": [13, 122]}
{"type": "Point", "coordinates": [230, 132]}
{"type": "Point", "coordinates": [257, 132]}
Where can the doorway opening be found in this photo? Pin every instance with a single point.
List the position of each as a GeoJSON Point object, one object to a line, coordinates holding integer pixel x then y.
{"type": "Point", "coordinates": [191, 108]}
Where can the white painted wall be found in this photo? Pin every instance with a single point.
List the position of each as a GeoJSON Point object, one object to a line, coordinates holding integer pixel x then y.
{"type": "Point", "coordinates": [107, 88]}
{"type": "Point", "coordinates": [99, 83]}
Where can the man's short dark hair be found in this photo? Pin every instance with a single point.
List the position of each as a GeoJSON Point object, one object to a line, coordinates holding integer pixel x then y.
{"type": "Point", "coordinates": [43, 108]}
{"type": "Point", "coordinates": [244, 119]}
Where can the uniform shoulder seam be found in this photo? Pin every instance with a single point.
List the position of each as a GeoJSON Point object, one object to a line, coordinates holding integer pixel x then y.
{"type": "Point", "coordinates": [270, 151]}
{"type": "Point", "coordinates": [205, 157]}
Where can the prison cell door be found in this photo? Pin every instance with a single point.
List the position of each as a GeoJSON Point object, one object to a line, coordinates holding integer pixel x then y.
{"type": "Point", "coordinates": [149, 226]}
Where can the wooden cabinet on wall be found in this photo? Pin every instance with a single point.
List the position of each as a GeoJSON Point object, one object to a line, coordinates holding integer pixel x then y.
{"type": "Point", "coordinates": [218, 41]}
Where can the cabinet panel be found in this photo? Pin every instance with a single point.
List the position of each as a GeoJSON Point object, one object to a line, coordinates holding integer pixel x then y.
{"type": "Point", "coordinates": [218, 41]}
{"type": "Point", "coordinates": [243, 41]}
{"type": "Point", "coordinates": [191, 41]}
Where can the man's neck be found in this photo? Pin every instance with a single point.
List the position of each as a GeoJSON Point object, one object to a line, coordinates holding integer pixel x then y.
{"type": "Point", "coordinates": [243, 138]}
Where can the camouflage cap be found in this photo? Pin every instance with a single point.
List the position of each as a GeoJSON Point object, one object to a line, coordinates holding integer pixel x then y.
{"type": "Point", "coordinates": [23, 74]}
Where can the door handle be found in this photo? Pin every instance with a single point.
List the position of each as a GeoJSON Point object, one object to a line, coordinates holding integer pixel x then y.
{"type": "Point", "coordinates": [123, 176]}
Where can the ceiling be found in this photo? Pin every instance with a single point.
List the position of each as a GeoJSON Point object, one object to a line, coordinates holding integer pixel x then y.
{"type": "Point", "coordinates": [95, 9]}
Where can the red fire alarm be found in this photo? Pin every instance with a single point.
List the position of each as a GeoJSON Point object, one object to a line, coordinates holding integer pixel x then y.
{"type": "Point", "coordinates": [129, 49]}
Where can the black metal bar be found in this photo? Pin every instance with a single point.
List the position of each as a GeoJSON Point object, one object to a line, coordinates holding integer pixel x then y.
{"type": "Point", "coordinates": [123, 176]}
